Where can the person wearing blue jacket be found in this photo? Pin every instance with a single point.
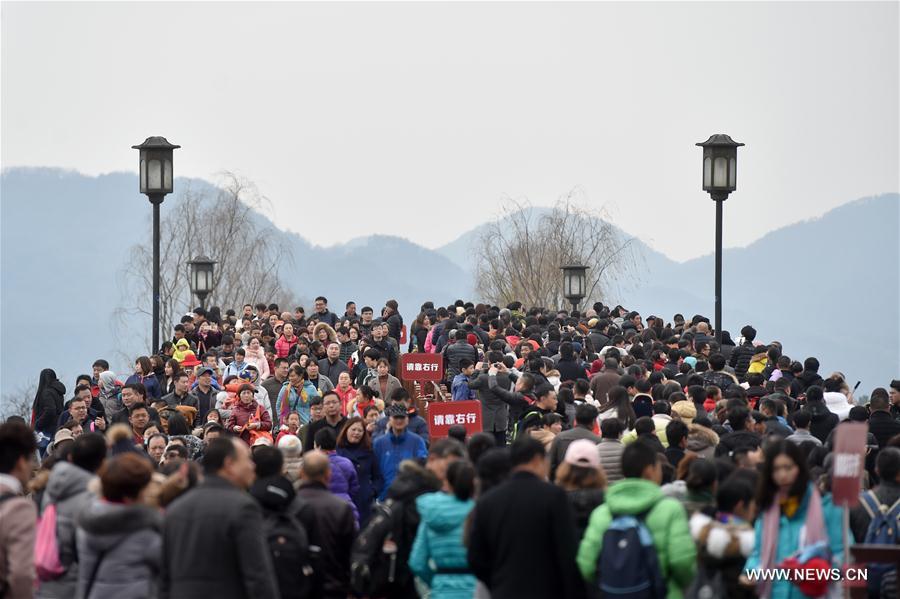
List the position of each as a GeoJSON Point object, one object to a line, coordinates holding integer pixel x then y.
{"type": "Point", "coordinates": [788, 504]}
{"type": "Point", "coordinates": [438, 555]}
{"type": "Point", "coordinates": [396, 445]}
{"type": "Point", "coordinates": [417, 424]}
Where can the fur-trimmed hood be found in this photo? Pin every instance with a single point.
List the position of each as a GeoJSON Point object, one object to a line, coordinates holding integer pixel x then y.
{"type": "Point", "coordinates": [721, 540]}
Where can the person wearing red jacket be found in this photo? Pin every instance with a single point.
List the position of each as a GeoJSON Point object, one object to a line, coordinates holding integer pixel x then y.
{"type": "Point", "coordinates": [286, 342]}
{"type": "Point", "coordinates": [248, 415]}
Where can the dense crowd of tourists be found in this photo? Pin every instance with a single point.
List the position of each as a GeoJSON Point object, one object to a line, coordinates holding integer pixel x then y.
{"type": "Point", "coordinates": [262, 453]}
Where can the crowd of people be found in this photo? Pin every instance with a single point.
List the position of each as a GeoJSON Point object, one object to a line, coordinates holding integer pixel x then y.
{"type": "Point", "coordinates": [267, 453]}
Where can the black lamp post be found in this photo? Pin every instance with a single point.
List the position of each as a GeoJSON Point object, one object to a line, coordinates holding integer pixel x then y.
{"type": "Point", "coordinates": [719, 180]}
{"type": "Point", "coordinates": [574, 283]}
{"type": "Point", "coordinates": [201, 275]}
{"type": "Point", "coordinates": [156, 181]}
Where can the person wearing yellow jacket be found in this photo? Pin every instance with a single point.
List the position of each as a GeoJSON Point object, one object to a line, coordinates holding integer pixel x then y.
{"type": "Point", "coordinates": [639, 493]}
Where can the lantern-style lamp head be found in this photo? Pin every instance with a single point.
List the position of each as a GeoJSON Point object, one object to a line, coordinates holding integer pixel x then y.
{"type": "Point", "coordinates": [201, 273]}
{"type": "Point", "coordinates": [574, 283]}
{"type": "Point", "coordinates": [719, 165]}
{"type": "Point", "coordinates": [156, 166]}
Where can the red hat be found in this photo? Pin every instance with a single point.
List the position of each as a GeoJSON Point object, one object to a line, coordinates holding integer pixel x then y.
{"type": "Point", "coordinates": [472, 339]}
{"type": "Point", "coordinates": [190, 360]}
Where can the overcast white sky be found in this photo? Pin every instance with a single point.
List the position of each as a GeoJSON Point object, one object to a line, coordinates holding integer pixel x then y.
{"type": "Point", "coordinates": [417, 119]}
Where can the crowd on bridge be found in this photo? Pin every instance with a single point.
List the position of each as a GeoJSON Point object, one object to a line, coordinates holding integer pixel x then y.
{"type": "Point", "coordinates": [262, 453]}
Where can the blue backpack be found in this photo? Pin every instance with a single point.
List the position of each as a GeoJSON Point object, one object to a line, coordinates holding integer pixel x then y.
{"type": "Point", "coordinates": [628, 567]}
{"type": "Point", "coordinates": [884, 529]}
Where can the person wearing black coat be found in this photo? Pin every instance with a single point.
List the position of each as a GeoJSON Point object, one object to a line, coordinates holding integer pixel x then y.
{"type": "Point", "coordinates": [48, 405]}
{"type": "Point", "coordinates": [522, 542]}
{"type": "Point", "coordinates": [213, 544]}
{"type": "Point", "coordinates": [330, 524]}
{"type": "Point", "coordinates": [569, 366]}
{"type": "Point", "coordinates": [822, 419]}
{"type": "Point", "coordinates": [494, 408]}
{"type": "Point", "coordinates": [741, 356]}
{"type": "Point", "coordinates": [881, 422]}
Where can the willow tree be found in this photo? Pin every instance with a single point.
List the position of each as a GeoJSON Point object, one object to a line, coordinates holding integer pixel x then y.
{"type": "Point", "coordinates": [221, 222]}
{"type": "Point", "coordinates": [519, 254]}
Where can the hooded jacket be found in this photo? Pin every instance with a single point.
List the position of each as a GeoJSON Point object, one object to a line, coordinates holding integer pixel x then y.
{"type": "Point", "coordinates": [666, 521]}
{"type": "Point", "coordinates": [130, 539]}
{"type": "Point", "coordinates": [48, 404]}
{"type": "Point", "coordinates": [438, 555]}
{"type": "Point", "coordinates": [837, 404]}
{"type": "Point", "coordinates": [344, 481]}
{"type": "Point", "coordinates": [68, 490]}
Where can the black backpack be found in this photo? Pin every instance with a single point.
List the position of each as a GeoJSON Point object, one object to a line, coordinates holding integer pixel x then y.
{"type": "Point", "coordinates": [289, 547]}
{"type": "Point", "coordinates": [376, 560]}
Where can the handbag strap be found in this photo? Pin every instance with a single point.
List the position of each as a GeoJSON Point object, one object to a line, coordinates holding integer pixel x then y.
{"type": "Point", "coordinates": [96, 569]}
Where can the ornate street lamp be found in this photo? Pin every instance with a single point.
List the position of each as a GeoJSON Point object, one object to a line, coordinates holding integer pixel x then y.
{"type": "Point", "coordinates": [201, 275]}
{"type": "Point", "coordinates": [719, 180]}
{"type": "Point", "coordinates": [156, 179]}
{"type": "Point", "coordinates": [574, 283]}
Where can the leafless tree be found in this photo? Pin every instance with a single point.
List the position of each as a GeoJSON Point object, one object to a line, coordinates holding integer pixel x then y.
{"type": "Point", "coordinates": [224, 225]}
{"type": "Point", "coordinates": [519, 254]}
{"type": "Point", "coordinates": [18, 402]}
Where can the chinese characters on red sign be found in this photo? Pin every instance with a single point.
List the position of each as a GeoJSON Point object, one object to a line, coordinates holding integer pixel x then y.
{"type": "Point", "coordinates": [444, 414]}
{"type": "Point", "coordinates": [421, 367]}
{"type": "Point", "coordinates": [849, 461]}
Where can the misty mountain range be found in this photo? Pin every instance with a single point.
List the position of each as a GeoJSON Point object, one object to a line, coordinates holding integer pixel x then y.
{"type": "Point", "coordinates": [827, 287]}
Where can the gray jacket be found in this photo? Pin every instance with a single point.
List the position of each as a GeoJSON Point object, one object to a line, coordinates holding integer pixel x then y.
{"type": "Point", "coordinates": [213, 546]}
{"type": "Point", "coordinates": [455, 352]}
{"type": "Point", "coordinates": [561, 444]}
{"type": "Point", "coordinates": [494, 410]}
{"type": "Point", "coordinates": [129, 539]}
{"type": "Point", "coordinates": [67, 489]}
{"type": "Point", "coordinates": [611, 457]}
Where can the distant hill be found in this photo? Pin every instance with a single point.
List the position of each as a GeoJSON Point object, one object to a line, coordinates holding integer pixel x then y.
{"type": "Point", "coordinates": [63, 236]}
{"type": "Point", "coordinates": [826, 287]}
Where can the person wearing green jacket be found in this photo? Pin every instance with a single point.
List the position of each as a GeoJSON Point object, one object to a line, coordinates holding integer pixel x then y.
{"type": "Point", "coordinates": [639, 493]}
{"type": "Point", "coordinates": [438, 556]}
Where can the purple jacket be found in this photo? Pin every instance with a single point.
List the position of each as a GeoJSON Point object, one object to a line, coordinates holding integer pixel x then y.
{"type": "Point", "coordinates": [344, 482]}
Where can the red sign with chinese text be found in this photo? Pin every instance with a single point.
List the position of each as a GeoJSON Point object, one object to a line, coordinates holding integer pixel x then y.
{"type": "Point", "coordinates": [421, 367]}
{"type": "Point", "coordinates": [849, 462]}
{"type": "Point", "coordinates": [444, 414]}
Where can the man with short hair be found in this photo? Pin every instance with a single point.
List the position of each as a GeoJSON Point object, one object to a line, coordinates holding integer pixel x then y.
{"type": "Point", "coordinates": [133, 393]}
{"type": "Point", "coordinates": [314, 376]}
{"type": "Point", "coordinates": [605, 380]}
{"type": "Point", "coordinates": [347, 346]}
{"type": "Point", "coordinates": [79, 409]}
{"type": "Point", "coordinates": [213, 544]}
{"type": "Point", "coordinates": [322, 312]}
{"type": "Point", "coordinates": [525, 520]}
{"type": "Point", "coordinates": [585, 417]}
{"type": "Point", "coordinates": [881, 421]}
{"type": "Point", "coordinates": [807, 378]}
{"type": "Point", "coordinates": [676, 434]}
{"type": "Point", "coordinates": [17, 512]}
{"type": "Point", "coordinates": [138, 418]}
{"type": "Point", "coordinates": [380, 343]}
{"type": "Point", "coordinates": [365, 321]}
{"type": "Point", "coordinates": [350, 311]}
{"type": "Point", "coordinates": [393, 319]}
{"type": "Point", "coordinates": [894, 394]}
{"type": "Point", "coordinates": [743, 354]}
{"type": "Point", "coordinates": [458, 350]}
{"type": "Point", "coordinates": [883, 496]}
{"type": "Point", "coordinates": [801, 433]}
{"type": "Point", "coordinates": [396, 445]}
{"type": "Point", "coordinates": [716, 375]}
{"type": "Point", "coordinates": [331, 410]}
{"type": "Point", "coordinates": [639, 495]}
{"type": "Point", "coordinates": [610, 448]}
{"type": "Point", "coordinates": [205, 392]}
{"type": "Point", "coordinates": [330, 525]}
{"type": "Point", "coordinates": [279, 377]}
{"type": "Point", "coordinates": [181, 395]}
{"type": "Point", "coordinates": [332, 366]}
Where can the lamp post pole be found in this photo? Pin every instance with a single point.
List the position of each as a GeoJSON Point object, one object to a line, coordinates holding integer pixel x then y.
{"type": "Point", "coordinates": [719, 271]}
{"type": "Point", "coordinates": [156, 199]}
{"type": "Point", "coordinates": [156, 179]}
{"type": "Point", "coordinates": [719, 180]}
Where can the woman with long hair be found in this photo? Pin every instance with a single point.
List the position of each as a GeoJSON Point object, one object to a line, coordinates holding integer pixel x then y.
{"type": "Point", "coordinates": [355, 444]}
{"type": "Point", "coordinates": [171, 370]}
{"type": "Point", "coordinates": [420, 329]}
{"type": "Point", "coordinates": [143, 373]}
{"type": "Point", "coordinates": [792, 516]}
{"type": "Point", "coordinates": [618, 405]}
{"type": "Point", "coordinates": [47, 406]}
